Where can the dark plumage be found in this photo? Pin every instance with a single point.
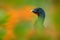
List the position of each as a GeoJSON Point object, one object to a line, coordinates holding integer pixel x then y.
{"type": "Point", "coordinates": [39, 12]}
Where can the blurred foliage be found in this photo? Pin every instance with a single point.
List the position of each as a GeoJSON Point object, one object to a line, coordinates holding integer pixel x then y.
{"type": "Point", "coordinates": [47, 5]}
{"type": "Point", "coordinates": [3, 17]}
{"type": "Point", "coordinates": [19, 3]}
{"type": "Point", "coordinates": [2, 32]}
{"type": "Point", "coordinates": [22, 28]}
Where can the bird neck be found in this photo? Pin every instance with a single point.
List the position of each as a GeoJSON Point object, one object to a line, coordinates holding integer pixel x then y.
{"type": "Point", "coordinates": [40, 23]}
{"type": "Point", "coordinates": [41, 19]}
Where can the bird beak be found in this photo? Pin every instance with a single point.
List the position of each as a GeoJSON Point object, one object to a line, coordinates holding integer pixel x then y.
{"type": "Point", "coordinates": [33, 11]}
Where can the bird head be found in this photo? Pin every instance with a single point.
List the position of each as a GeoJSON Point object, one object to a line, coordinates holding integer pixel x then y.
{"type": "Point", "coordinates": [39, 12]}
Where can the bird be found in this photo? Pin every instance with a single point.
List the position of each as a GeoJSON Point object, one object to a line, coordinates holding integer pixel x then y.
{"type": "Point", "coordinates": [39, 24]}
